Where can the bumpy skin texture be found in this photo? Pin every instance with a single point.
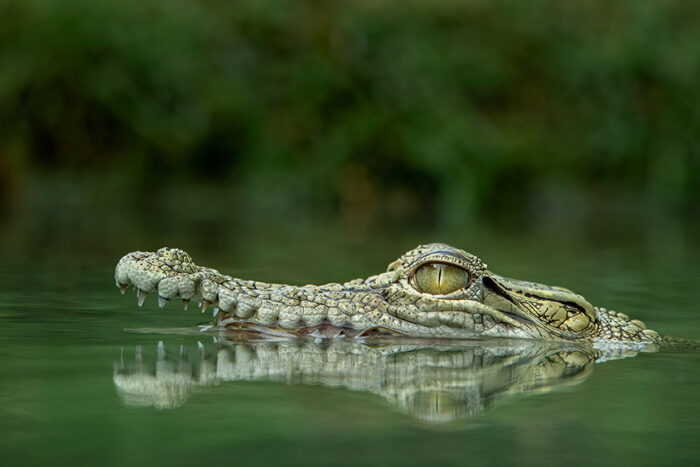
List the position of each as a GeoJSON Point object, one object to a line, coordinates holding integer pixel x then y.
{"type": "Point", "coordinates": [487, 306]}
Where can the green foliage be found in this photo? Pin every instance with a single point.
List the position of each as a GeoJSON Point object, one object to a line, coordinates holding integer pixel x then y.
{"type": "Point", "coordinates": [468, 110]}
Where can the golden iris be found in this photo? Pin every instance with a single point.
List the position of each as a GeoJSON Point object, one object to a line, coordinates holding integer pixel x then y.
{"type": "Point", "coordinates": [440, 278]}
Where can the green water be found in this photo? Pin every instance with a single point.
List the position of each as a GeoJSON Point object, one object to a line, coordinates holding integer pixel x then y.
{"type": "Point", "coordinates": [62, 328]}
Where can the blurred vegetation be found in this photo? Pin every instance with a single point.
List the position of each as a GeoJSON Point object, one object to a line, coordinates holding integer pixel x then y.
{"type": "Point", "coordinates": [452, 113]}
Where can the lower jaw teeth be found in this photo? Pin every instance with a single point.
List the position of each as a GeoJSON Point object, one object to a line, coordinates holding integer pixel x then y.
{"type": "Point", "coordinates": [141, 297]}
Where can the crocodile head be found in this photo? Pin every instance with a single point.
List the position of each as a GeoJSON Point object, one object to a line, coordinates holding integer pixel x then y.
{"type": "Point", "coordinates": [434, 290]}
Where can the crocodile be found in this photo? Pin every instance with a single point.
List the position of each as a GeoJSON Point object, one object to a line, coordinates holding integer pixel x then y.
{"type": "Point", "coordinates": [432, 291]}
{"type": "Point", "coordinates": [434, 383]}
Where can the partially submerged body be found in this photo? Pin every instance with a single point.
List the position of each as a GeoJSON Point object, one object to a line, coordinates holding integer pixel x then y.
{"type": "Point", "coordinates": [434, 291]}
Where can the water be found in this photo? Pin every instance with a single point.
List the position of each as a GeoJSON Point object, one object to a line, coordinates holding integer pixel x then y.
{"type": "Point", "coordinates": [74, 392]}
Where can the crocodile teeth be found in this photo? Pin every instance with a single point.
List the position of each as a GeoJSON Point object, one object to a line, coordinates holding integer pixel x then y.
{"type": "Point", "coordinates": [216, 312]}
{"type": "Point", "coordinates": [205, 304]}
{"type": "Point", "coordinates": [185, 303]}
{"type": "Point", "coordinates": [141, 297]}
{"type": "Point", "coordinates": [162, 301]}
{"type": "Point", "coordinates": [122, 288]}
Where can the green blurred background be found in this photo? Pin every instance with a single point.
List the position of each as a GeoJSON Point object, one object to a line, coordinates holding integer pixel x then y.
{"type": "Point", "coordinates": [307, 141]}
{"type": "Point", "coordinates": [204, 119]}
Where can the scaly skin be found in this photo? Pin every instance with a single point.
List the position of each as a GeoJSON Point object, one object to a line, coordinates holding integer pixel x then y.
{"type": "Point", "coordinates": [487, 305]}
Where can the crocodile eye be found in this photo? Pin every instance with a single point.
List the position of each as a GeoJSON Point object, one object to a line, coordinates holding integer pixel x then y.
{"type": "Point", "coordinates": [440, 278]}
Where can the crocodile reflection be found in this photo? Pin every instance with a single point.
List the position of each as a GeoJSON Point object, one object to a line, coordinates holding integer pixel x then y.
{"type": "Point", "coordinates": [435, 383]}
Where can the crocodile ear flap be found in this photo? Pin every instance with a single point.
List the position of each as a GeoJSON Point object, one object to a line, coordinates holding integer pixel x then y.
{"type": "Point", "coordinates": [394, 265]}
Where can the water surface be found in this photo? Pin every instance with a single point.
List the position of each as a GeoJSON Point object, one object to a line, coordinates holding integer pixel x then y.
{"type": "Point", "coordinates": [64, 348]}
